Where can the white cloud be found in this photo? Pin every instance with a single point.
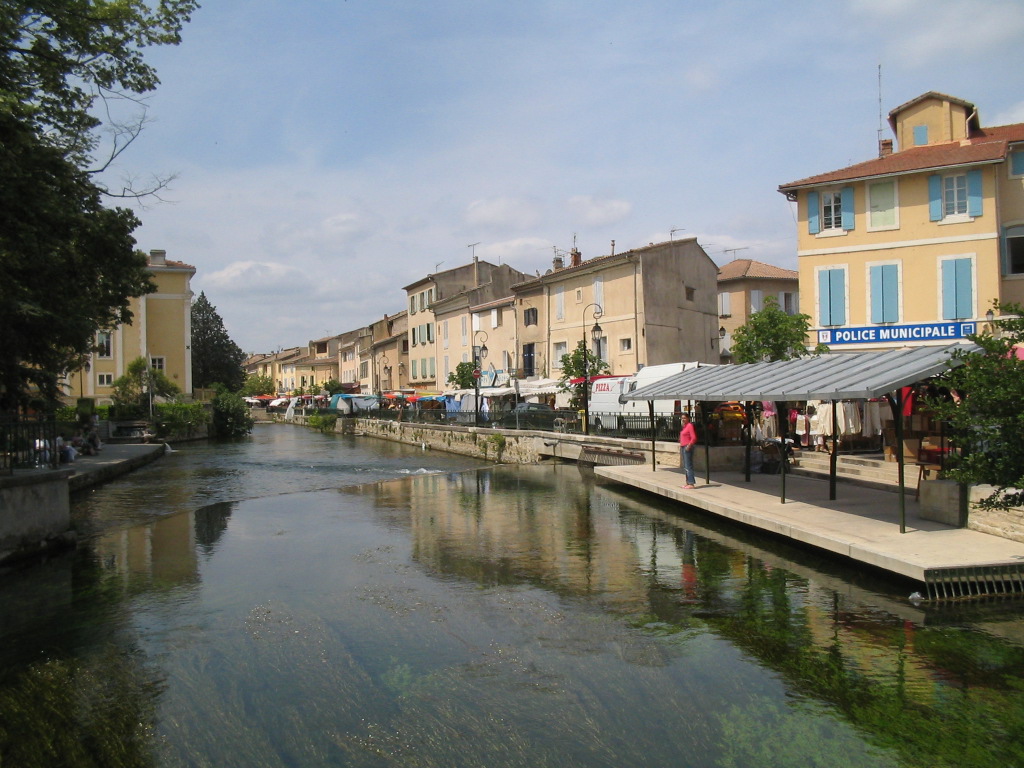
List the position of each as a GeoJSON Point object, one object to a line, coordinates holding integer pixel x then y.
{"type": "Point", "coordinates": [591, 211]}
{"type": "Point", "coordinates": [503, 212]}
{"type": "Point", "coordinates": [1012, 114]}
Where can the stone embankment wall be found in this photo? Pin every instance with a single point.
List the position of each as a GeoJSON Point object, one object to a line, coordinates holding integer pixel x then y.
{"type": "Point", "coordinates": [35, 513]}
{"type": "Point", "coordinates": [506, 446]}
{"type": "Point", "coordinates": [1008, 524]}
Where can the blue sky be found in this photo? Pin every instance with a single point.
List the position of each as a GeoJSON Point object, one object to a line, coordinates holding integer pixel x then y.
{"type": "Point", "coordinates": [328, 153]}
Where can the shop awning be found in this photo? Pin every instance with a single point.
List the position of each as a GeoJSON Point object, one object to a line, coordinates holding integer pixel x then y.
{"type": "Point", "coordinates": [833, 376]}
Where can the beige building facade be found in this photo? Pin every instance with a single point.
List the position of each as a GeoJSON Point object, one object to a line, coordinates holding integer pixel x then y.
{"type": "Point", "coordinates": [655, 305]}
{"type": "Point", "coordinates": [743, 286]}
{"type": "Point", "coordinates": [160, 332]}
{"type": "Point", "coordinates": [914, 246]}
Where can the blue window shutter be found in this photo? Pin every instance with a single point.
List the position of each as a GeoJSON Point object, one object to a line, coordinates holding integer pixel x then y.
{"type": "Point", "coordinates": [974, 192]}
{"type": "Point", "coordinates": [964, 288]}
{"type": "Point", "coordinates": [877, 296]}
{"type": "Point", "coordinates": [824, 296]}
{"type": "Point", "coordinates": [837, 301]}
{"type": "Point", "coordinates": [935, 197]}
{"type": "Point", "coordinates": [846, 197]}
{"type": "Point", "coordinates": [920, 135]}
{"type": "Point", "coordinates": [813, 213]}
{"type": "Point", "coordinates": [888, 293]}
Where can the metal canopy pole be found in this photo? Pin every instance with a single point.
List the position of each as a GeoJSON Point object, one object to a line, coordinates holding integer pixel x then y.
{"type": "Point", "coordinates": [899, 459]}
{"type": "Point", "coordinates": [707, 444]}
{"type": "Point", "coordinates": [749, 407]}
{"type": "Point", "coordinates": [833, 458]}
{"type": "Point", "coordinates": [654, 454]}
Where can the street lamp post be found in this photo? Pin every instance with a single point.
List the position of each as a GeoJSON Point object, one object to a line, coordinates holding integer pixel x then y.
{"type": "Point", "coordinates": [479, 354]}
{"type": "Point", "coordinates": [382, 361]}
{"type": "Point", "coordinates": [595, 333]}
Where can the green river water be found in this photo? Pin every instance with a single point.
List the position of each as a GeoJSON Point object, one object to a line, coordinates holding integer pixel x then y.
{"type": "Point", "coordinates": [298, 599]}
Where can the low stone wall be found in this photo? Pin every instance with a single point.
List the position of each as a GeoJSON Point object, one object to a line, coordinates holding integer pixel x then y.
{"type": "Point", "coordinates": [506, 446]}
{"type": "Point", "coordinates": [35, 513]}
{"type": "Point", "coordinates": [1008, 524]}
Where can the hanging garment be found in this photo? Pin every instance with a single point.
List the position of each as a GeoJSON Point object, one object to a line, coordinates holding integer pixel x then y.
{"type": "Point", "coordinates": [825, 418]}
{"type": "Point", "coordinates": [850, 415]}
{"type": "Point", "coordinates": [872, 418]}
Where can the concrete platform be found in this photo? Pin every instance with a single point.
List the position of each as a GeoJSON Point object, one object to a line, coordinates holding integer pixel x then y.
{"type": "Point", "coordinates": [862, 524]}
{"type": "Point", "coordinates": [114, 460]}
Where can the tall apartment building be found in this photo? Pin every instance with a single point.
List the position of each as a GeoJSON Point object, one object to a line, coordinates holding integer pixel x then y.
{"type": "Point", "coordinates": [160, 332]}
{"type": "Point", "coordinates": [912, 247]}
{"type": "Point", "coordinates": [655, 305]}
{"type": "Point", "coordinates": [440, 304]}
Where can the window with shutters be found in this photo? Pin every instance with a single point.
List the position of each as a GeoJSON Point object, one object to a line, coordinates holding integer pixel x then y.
{"type": "Point", "coordinates": [831, 285]}
{"type": "Point", "coordinates": [883, 211]}
{"type": "Point", "coordinates": [1013, 244]}
{"type": "Point", "coordinates": [957, 275]}
{"type": "Point", "coordinates": [831, 210]}
{"type": "Point", "coordinates": [530, 316]}
{"type": "Point", "coordinates": [558, 350]}
{"type": "Point", "coordinates": [884, 293]}
{"type": "Point", "coordinates": [529, 359]}
{"type": "Point", "coordinates": [955, 197]}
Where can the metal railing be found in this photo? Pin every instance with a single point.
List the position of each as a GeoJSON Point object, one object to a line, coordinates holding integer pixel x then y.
{"type": "Point", "coordinates": [28, 442]}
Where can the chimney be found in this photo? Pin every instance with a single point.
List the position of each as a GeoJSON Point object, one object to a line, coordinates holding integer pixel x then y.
{"type": "Point", "coordinates": [884, 147]}
{"type": "Point", "coordinates": [577, 257]}
{"type": "Point", "coordinates": [557, 263]}
{"type": "Point", "coordinates": [158, 258]}
{"type": "Point", "coordinates": [613, 247]}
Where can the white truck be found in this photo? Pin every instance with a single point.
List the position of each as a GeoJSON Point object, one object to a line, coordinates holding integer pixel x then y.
{"type": "Point", "coordinates": [606, 412]}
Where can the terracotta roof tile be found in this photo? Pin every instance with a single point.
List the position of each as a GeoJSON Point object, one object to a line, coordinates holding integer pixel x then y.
{"type": "Point", "coordinates": [740, 268]}
{"type": "Point", "coordinates": [985, 146]}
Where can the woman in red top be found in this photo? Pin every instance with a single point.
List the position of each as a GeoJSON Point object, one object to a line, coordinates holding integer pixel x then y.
{"type": "Point", "coordinates": [687, 439]}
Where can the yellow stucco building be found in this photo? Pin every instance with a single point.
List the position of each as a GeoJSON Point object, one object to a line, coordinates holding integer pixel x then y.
{"type": "Point", "coordinates": [914, 246]}
{"type": "Point", "coordinates": [160, 331]}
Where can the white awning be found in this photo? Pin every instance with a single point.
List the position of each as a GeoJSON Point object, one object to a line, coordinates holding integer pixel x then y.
{"type": "Point", "coordinates": [833, 376]}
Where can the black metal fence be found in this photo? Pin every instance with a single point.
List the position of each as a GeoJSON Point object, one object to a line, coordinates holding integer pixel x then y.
{"type": "Point", "coordinates": [566, 421]}
{"type": "Point", "coordinates": [28, 442]}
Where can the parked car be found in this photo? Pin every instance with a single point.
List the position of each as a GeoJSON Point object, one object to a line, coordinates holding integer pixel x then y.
{"type": "Point", "coordinates": [530, 416]}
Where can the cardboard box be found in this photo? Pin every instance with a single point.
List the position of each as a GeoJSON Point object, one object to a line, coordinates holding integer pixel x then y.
{"type": "Point", "coordinates": [911, 447]}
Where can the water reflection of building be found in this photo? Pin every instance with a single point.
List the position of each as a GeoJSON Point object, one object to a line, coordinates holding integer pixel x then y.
{"type": "Point", "coordinates": [506, 528]}
{"type": "Point", "coordinates": [161, 551]}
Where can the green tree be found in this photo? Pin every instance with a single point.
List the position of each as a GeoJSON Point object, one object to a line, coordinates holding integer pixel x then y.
{"type": "Point", "coordinates": [985, 415]}
{"type": "Point", "coordinates": [231, 417]}
{"type": "Point", "coordinates": [333, 387]}
{"type": "Point", "coordinates": [258, 385]}
{"type": "Point", "coordinates": [462, 376]}
{"type": "Point", "coordinates": [771, 335]}
{"type": "Point", "coordinates": [68, 266]}
{"type": "Point", "coordinates": [580, 365]}
{"type": "Point", "coordinates": [60, 56]}
{"type": "Point", "coordinates": [132, 391]}
{"type": "Point", "coordinates": [216, 359]}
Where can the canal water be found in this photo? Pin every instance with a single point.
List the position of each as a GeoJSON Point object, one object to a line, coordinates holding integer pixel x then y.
{"type": "Point", "coordinates": [299, 599]}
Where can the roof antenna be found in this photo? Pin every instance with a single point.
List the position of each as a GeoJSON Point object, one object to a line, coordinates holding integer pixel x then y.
{"type": "Point", "coordinates": [672, 232]}
{"type": "Point", "coordinates": [733, 251]}
{"type": "Point", "coordinates": [881, 122]}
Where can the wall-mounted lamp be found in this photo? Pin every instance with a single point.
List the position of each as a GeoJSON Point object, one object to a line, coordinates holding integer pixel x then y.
{"type": "Point", "coordinates": [720, 336]}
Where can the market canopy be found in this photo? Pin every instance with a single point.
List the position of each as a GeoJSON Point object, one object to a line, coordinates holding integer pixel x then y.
{"type": "Point", "coordinates": [833, 376]}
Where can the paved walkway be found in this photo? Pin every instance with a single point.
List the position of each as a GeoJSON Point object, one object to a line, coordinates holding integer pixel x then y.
{"type": "Point", "coordinates": [114, 460]}
{"type": "Point", "coordinates": [862, 523]}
